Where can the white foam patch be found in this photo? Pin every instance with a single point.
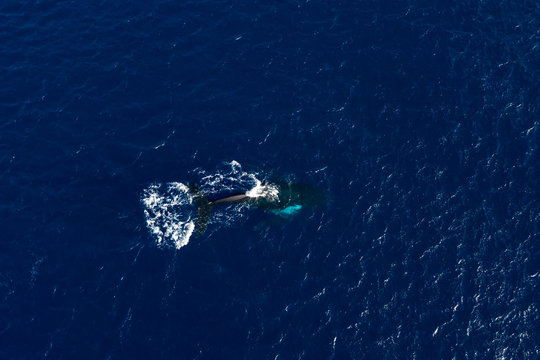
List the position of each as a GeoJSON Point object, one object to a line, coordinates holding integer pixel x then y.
{"type": "Point", "coordinates": [168, 211]}
{"type": "Point", "coordinates": [268, 191]}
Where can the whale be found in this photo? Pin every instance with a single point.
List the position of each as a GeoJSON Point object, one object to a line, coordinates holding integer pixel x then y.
{"type": "Point", "coordinates": [291, 198]}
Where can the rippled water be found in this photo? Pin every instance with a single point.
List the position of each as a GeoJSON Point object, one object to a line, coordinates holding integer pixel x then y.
{"type": "Point", "coordinates": [417, 120]}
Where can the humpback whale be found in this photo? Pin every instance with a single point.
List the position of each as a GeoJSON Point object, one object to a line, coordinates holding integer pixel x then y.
{"type": "Point", "coordinates": [290, 199]}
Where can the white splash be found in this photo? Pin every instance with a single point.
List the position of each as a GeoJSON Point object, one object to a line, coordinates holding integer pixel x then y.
{"type": "Point", "coordinates": [168, 213]}
{"type": "Point", "coordinates": [268, 191]}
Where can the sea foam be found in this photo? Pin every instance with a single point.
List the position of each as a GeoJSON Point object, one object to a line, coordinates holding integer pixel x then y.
{"type": "Point", "coordinates": [168, 213]}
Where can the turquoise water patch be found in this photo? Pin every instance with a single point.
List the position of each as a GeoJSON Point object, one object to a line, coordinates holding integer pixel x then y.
{"type": "Point", "coordinates": [289, 210]}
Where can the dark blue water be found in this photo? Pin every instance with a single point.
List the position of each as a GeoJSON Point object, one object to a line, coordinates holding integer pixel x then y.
{"type": "Point", "coordinates": [418, 119]}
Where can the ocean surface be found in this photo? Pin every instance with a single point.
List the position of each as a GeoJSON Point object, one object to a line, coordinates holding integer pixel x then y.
{"type": "Point", "coordinates": [419, 122]}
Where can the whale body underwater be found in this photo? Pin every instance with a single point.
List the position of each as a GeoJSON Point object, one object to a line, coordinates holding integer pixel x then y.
{"type": "Point", "coordinates": [290, 199]}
